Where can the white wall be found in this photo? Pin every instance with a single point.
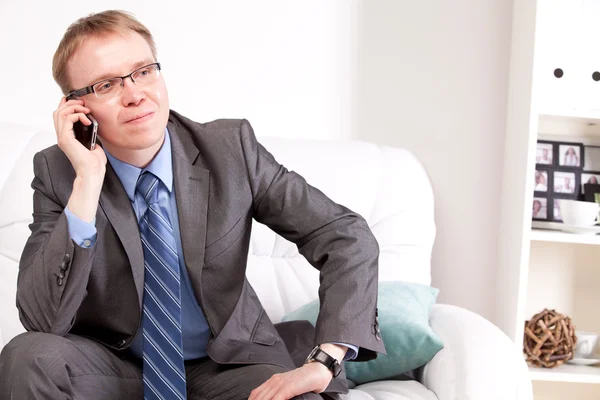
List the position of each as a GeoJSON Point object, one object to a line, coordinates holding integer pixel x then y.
{"type": "Point", "coordinates": [433, 77]}
{"type": "Point", "coordinates": [285, 66]}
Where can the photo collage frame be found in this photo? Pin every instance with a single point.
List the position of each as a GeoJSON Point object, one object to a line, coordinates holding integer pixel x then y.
{"type": "Point", "coordinates": [563, 170]}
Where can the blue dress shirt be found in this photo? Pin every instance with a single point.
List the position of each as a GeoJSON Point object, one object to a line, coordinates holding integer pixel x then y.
{"type": "Point", "coordinates": [195, 330]}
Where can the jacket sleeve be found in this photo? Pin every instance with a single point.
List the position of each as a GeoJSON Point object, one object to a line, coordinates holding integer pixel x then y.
{"type": "Point", "coordinates": [335, 240]}
{"type": "Point", "coordinates": [53, 270]}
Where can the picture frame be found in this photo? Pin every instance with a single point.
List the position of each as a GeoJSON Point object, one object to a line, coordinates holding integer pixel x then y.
{"type": "Point", "coordinates": [589, 177]}
{"type": "Point", "coordinates": [591, 159]}
{"type": "Point", "coordinates": [540, 208]}
{"type": "Point", "coordinates": [542, 181]}
{"type": "Point", "coordinates": [556, 215]}
{"type": "Point", "coordinates": [590, 191]}
{"type": "Point", "coordinates": [569, 155]}
{"type": "Point", "coordinates": [566, 183]}
{"type": "Point", "coordinates": [544, 154]}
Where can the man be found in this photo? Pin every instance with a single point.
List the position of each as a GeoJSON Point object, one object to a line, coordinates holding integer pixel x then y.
{"type": "Point", "coordinates": [132, 283]}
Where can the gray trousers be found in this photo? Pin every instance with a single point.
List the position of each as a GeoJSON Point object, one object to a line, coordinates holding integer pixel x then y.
{"type": "Point", "coordinates": [44, 366]}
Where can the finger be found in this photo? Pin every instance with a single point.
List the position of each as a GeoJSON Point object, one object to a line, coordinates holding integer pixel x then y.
{"type": "Point", "coordinates": [255, 394]}
{"type": "Point", "coordinates": [75, 111]}
{"type": "Point", "coordinates": [258, 393]}
{"type": "Point", "coordinates": [83, 118]}
{"type": "Point", "coordinates": [77, 108]}
{"type": "Point", "coordinates": [66, 108]}
{"type": "Point", "coordinates": [63, 101]}
{"type": "Point", "coordinates": [282, 392]}
{"type": "Point", "coordinates": [271, 391]}
{"type": "Point", "coordinates": [71, 117]}
{"type": "Point", "coordinates": [70, 103]}
{"type": "Point", "coordinates": [100, 152]}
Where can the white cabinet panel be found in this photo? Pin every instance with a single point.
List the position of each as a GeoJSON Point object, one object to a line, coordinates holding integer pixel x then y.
{"type": "Point", "coordinates": [588, 56]}
{"type": "Point", "coordinates": [558, 72]}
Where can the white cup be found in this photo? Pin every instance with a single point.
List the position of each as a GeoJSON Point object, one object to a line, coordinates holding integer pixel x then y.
{"type": "Point", "coordinates": [586, 346]}
{"type": "Point", "coordinates": [582, 213]}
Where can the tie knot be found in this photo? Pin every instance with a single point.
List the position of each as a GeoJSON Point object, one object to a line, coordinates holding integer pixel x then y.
{"type": "Point", "coordinates": [146, 186]}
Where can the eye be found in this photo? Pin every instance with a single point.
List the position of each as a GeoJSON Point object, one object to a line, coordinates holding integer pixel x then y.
{"type": "Point", "coordinates": [104, 87]}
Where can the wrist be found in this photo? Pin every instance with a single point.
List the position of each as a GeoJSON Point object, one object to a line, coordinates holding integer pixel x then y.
{"type": "Point", "coordinates": [317, 367]}
{"type": "Point", "coordinates": [90, 176]}
{"type": "Point", "coordinates": [89, 183]}
{"type": "Point", "coordinates": [83, 201]}
{"type": "Point", "coordinates": [334, 350]}
{"type": "Point", "coordinates": [319, 356]}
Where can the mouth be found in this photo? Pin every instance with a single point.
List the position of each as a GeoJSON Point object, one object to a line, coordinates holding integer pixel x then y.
{"type": "Point", "coordinates": [140, 118]}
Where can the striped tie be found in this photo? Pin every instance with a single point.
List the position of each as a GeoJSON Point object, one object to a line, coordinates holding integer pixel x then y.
{"type": "Point", "coordinates": [164, 372]}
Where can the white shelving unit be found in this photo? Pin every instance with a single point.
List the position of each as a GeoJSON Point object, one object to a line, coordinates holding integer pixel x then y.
{"type": "Point", "coordinates": [567, 373]}
{"type": "Point", "coordinates": [542, 268]}
{"type": "Point", "coordinates": [542, 235]}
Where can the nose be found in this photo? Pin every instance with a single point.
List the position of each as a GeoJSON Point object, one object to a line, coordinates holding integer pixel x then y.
{"type": "Point", "coordinates": [132, 93]}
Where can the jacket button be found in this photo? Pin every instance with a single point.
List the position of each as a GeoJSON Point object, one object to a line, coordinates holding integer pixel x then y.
{"type": "Point", "coordinates": [121, 343]}
{"type": "Point", "coordinates": [63, 266]}
{"type": "Point", "coordinates": [61, 275]}
{"type": "Point", "coordinates": [67, 257]}
{"type": "Point", "coordinates": [59, 281]}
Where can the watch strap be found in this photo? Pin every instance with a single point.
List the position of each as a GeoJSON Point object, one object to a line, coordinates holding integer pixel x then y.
{"type": "Point", "coordinates": [320, 356]}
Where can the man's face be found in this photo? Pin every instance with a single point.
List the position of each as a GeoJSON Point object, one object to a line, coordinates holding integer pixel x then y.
{"type": "Point", "coordinates": [115, 55]}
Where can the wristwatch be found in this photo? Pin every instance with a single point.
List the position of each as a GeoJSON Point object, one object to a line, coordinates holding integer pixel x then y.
{"type": "Point", "coordinates": [331, 363]}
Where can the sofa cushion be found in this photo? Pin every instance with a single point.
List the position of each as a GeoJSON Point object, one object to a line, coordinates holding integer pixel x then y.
{"type": "Point", "coordinates": [387, 390]}
{"type": "Point", "coordinates": [404, 321]}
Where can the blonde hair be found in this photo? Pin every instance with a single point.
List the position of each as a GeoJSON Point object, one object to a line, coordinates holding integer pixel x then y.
{"type": "Point", "coordinates": [110, 21]}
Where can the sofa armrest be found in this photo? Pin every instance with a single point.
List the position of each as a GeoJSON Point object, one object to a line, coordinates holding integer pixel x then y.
{"type": "Point", "coordinates": [478, 361]}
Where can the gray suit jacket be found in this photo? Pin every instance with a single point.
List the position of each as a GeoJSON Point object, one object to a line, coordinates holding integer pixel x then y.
{"type": "Point", "coordinates": [223, 178]}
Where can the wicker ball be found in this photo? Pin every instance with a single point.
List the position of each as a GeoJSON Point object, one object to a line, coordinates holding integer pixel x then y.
{"type": "Point", "coordinates": [549, 339]}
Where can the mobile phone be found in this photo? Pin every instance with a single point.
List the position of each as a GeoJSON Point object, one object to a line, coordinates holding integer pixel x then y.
{"type": "Point", "coordinates": [86, 134]}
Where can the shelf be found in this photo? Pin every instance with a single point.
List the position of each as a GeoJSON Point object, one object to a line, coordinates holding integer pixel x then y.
{"type": "Point", "coordinates": [570, 125]}
{"type": "Point", "coordinates": [544, 235]}
{"type": "Point", "coordinates": [591, 115]}
{"type": "Point", "coordinates": [566, 373]}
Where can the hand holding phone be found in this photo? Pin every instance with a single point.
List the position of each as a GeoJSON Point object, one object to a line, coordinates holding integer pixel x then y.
{"type": "Point", "coordinates": [86, 135]}
{"type": "Point", "coordinates": [87, 163]}
{"type": "Point", "coordinates": [77, 141]}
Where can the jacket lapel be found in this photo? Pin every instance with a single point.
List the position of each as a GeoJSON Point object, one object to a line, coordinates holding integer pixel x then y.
{"type": "Point", "coordinates": [191, 181]}
{"type": "Point", "coordinates": [118, 210]}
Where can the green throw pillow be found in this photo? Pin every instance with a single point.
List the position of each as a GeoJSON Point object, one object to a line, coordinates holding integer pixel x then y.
{"type": "Point", "coordinates": [404, 321]}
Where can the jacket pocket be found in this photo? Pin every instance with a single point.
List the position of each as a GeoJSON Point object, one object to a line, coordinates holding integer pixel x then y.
{"type": "Point", "coordinates": [220, 245]}
{"type": "Point", "coordinates": [261, 333]}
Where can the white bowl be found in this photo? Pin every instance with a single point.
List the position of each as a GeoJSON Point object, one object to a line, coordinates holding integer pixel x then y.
{"type": "Point", "coordinates": [582, 213]}
{"type": "Point", "coordinates": [586, 346]}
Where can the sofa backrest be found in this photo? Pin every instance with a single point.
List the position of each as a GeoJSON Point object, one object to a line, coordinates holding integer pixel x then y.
{"type": "Point", "coordinates": [387, 186]}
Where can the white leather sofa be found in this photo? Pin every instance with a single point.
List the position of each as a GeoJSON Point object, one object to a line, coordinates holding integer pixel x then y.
{"type": "Point", "coordinates": [389, 187]}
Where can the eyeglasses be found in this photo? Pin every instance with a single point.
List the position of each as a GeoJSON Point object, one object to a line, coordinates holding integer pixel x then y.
{"type": "Point", "coordinates": [113, 86]}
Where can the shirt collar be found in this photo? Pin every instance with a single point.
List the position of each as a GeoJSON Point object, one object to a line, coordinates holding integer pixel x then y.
{"type": "Point", "coordinates": [160, 166]}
